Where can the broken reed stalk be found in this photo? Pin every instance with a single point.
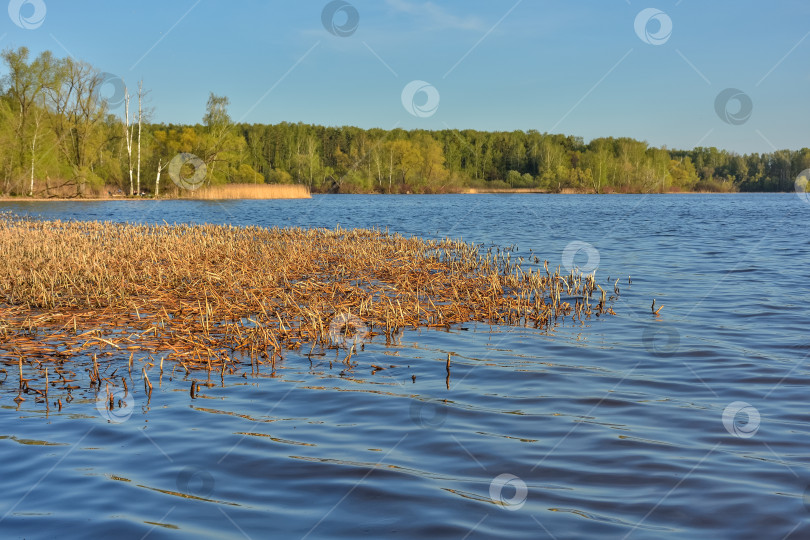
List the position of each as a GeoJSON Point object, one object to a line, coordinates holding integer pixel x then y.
{"type": "Point", "coordinates": [96, 374]}
{"type": "Point", "coordinates": [203, 295]}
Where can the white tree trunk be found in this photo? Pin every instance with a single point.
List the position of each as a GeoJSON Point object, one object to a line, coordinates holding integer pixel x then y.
{"type": "Point", "coordinates": [37, 119]}
{"type": "Point", "coordinates": [157, 179]}
{"type": "Point", "coordinates": [33, 149]}
{"type": "Point", "coordinates": [390, 170]}
{"type": "Point", "coordinates": [140, 118]}
{"type": "Point", "coordinates": [128, 137]}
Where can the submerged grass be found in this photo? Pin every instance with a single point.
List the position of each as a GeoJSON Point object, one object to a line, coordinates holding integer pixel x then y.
{"type": "Point", "coordinates": [211, 297]}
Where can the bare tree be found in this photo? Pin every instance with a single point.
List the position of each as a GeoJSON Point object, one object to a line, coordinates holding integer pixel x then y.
{"type": "Point", "coordinates": [37, 121]}
{"type": "Point", "coordinates": [26, 82]}
{"type": "Point", "coordinates": [75, 111]}
{"type": "Point", "coordinates": [140, 120]}
{"type": "Point", "coordinates": [128, 136]}
{"type": "Point", "coordinates": [160, 168]}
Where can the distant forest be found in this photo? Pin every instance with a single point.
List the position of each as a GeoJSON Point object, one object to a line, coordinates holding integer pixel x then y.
{"type": "Point", "coordinates": [61, 133]}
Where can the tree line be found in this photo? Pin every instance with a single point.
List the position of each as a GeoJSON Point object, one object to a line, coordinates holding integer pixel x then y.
{"type": "Point", "coordinates": [61, 135]}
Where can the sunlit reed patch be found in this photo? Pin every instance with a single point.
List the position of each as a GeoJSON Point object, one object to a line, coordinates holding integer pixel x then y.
{"type": "Point", "coordinates": [213, 297]}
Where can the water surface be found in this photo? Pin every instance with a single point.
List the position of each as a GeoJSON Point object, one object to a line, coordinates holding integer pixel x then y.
{"type": "Point", "coordinates": [611, 429]}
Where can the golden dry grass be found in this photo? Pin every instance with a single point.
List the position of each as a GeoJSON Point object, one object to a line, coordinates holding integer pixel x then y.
{"type": "Point", "coordinates": [249, 191]}
{"type": "Point", "coordinates": [214, 297]}
{"type": "Point", "coordinates": [474, 191]}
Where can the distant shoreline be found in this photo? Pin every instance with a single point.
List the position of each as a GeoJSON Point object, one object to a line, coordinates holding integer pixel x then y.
{"type": "Point", "coordinates": [471, 192]}
{"type": "Point", "coordinates": [467, 192]}
{"type": "Point", "coordinates": [220, 192]}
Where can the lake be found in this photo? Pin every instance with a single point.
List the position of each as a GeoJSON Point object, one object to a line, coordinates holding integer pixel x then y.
{"type": "Point", "coordinates": [690, 424]}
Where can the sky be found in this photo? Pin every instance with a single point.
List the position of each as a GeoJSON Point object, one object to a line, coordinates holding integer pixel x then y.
{"type": "Point", "coordinates": [680, 74]}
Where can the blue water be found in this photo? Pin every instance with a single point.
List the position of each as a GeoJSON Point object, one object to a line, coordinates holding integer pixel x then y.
{"type": "Point", "coordinates": [611, 429]}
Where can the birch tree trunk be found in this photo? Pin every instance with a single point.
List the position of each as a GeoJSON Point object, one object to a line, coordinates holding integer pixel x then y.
{"type": "Point", "coordinates": [33, 149]}
{"type": "Point", "coordinates": [157, 179]}
{"type": "Point", "coordinates": [37, 120]}
{"type": "Point", "coordinates": [128, 137]}
{"type": "Point", "coordinates": [390, 168]}
{"type": "Point", "coordinates": [140, 118]}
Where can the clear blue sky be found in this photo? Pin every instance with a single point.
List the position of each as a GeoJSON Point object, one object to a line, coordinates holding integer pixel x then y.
{"type": "Point", "coordinates": [573, 67]}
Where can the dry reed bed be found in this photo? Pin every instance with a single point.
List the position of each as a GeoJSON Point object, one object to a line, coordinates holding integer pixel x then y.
{"type": "Point", "coordinates": [211, 297]}
{"type": "Point", "coordinates": [249, 191]}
